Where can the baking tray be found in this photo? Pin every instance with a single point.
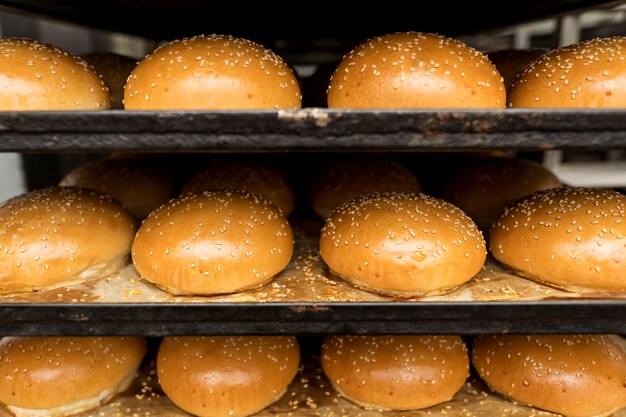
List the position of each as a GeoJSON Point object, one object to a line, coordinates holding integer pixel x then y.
{"type": "Point", "coordinates": [463, 318]}
{"type": "Point", "coordinates": [312, 129]}
{"type": "Point", "coordinates": [320, 20]}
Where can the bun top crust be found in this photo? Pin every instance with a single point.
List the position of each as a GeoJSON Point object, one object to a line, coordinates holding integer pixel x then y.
{"type": "Point", "coordinates": [60, 235]}
{"type": "Point", "coordinates": [402, 244]}
{"type": "Point", "coordinates": [38, 76]}
{"type": "Point", "coordinates": [215, 242]}
{"type": "Point", "coordinates": [586, 74]}
{"type": "Point", "coordinates": [212, 72]}
{"type": "Point", "coordinates": [46, 372]}
{"type": "Point", "coordinates": [415, 70]}
{"type": "Point", "coordinates": [574, 375]}
{"type": "Point", "coordinates": [569, 237]}
{"type": "Point", "coordinates": [396, 372]}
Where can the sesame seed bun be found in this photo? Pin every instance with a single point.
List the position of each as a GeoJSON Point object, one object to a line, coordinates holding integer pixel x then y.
{"type": "Point", "coordinates": [139, 185]}
{"type": "Point", "coordinates": [59, 236]}
{"type": "Point", "coordinates": [569, 238]}
{"type": "Point", "coordinates": [212, 72]}
{"type": "Point", "coordinates": [210, 376]}
{"type": "Point", "coordinates": [39, 76]}
{"type": "Point", "coordinates": [402, 244]}
{"type": "Point", "coordinates": [267, 180]}
{"type": "Point", "coordinates": [511, 62]}
{"type": "Point", "coordinates": [586, 74]}
{"type": "Point", "coordinates": [350, 178]}
{"type": "Point", "coordinates": [573, 375]}
{"type": "Point", "coordinates": [396, 372]}
{"type": "Point", "coordinates": [415, 70]}
{"type": "Point", "coordinates": [483, 187]}
{"type": "Point", "coordinates": [59, 376]}
{"type": "Point", "coordinates": [213, 243]}
{"type": "Point", "coordinates": [114, 70]}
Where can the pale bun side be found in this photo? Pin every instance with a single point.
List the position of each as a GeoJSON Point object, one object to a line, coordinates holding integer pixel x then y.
{"type": "Point", "coordinates": [39, 76]}
{"type": "Point", "coordinates": [114, 70]}
{"type": "Point", "coordinates": [415, 70]}
{"type": "Point", "coordinates": [573, 375]}
{"type": "Point", "coordinates": [235, 376]}
{"type": "Point", "coordinates": [61, 235]}
{"type": "Point", "coordinates": [402, 245]}
{"type": "Point", "coordinates": [511, 62]}
{"type": "Point", "coordinates": [215, 242]}
{"type": "Point", "coordinates": [587, 74]}
{"type": "Point", "coordinates": [262, 178]}
{"type": "Point", "coordinates": [57, 376]}
{"type": "Point", "coordinates": [396, 372]}
{"type": "Point", "coordinates": [139, 185]}
{"type": "Point", "coordinates": [482, 188]}
{"type": "Point", "coordinates": [569, 238]}
{"type": "Point", "coordinates": [212, 72]}
{"type": "Point", "coordinates": [346, 179]}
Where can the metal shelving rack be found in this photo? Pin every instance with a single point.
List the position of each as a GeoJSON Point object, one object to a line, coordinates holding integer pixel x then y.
{"type": "Point", "coordinates": [310, 129]}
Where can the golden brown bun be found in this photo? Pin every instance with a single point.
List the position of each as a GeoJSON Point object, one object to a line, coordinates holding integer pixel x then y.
{"type": "Point", "coordinates": [61, 235]}
{"type": "Point", "coordinates": [396, 372]}
{"type": "Point", "coordinates": [213, 243]}
{"type": "Point", "coordinates": [587, 74]}
{"type": "Point", "coordinates": [269, 181]}
{"type": "Point", "coordinates": [139, 185]}
{"type": "Point", "coordinates": [39, 76]}
{"type": "Point", "coordinates": [351, 178]}
{"type": "Point", "coordinates": [511, 62]}
{"type": "Point", "coordinates": [574, 375]}
{"type": "Point", "coordinates": [212, 72]}
{"type": "Point", "coordinates": [483, 187]}
{"type": "Point", "coordinates": [569, 238]}
{"type": "Point", "coordinates": [415, 70]}
{"type": "Point", "coordinates": [224, 376]}
{"type": "Point", "coordinates": [57, 376]}
{"type": "Point", "coordinates": [114, 69]}
{"type": "Point", "coordinates": [402, 244]}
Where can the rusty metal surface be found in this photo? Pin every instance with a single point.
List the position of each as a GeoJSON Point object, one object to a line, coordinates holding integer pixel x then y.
{"type": "Point", "coordinates": [465, 318]}
{"type": "Point", "coordinates": [312, 129]}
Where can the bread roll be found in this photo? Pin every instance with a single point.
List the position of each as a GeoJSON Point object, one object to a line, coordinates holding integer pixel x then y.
{"type": "Point", "coordinates": [39, 76]}
{"type": "Point", "coordinates": [226, 376]}
{"type": "Point", "coordinates": [402, 245]}
{"type": "Point", "coordinates": [61, 235]}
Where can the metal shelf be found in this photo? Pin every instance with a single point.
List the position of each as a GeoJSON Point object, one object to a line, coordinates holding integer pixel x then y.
{"type": "Point", "coordinates": [313, 129]}
{"type": "Point", "coordinates": [465, 318]}
{"type": "Point", "coordinates": [323, 19]}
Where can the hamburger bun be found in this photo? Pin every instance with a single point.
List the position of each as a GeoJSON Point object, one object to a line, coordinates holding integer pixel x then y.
{"type": "Point", "coordinates": [140, 185]}
{"type": "Point", "coordinates": [59, 236]}
{"type": "Point", "coordinates": [212, 72]}
{"type": "Point", "coordinates": [573, 375]}
{"type": "Point", "coordinates": [569, 238]}
{"type": "Point", "coordinates": [483, 187]}
{"type": "Point", "coordinates": [396, 372]}
{"type": "Point", "coordinates": [511, 62]}
{"type": "Point", "coordinates": [215, 242]}
{"type": "Point", "coordinates": [587, 74]}
{"type": "Point", "coordinates": [60, 376]}
{"type": "Point", "coordinates": [267, 180]}
{"type": "Point", "coordinates": [402, 245]}
{"type": "Point", "coordinates": [39, 76]}
{"type": "Point", "coordinates": [211, 376]}
{"type": "Point", "coordinates": [114, 70]}
{"type": "Point", "coordinates": [350, 178]}
{"type": "Point", "coordinates": [415, 70]}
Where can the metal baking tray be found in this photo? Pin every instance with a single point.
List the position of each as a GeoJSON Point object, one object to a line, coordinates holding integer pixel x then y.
{"type": "Point", "coordinates": [325, 19]}
{"type": "Point", "coordinates": [464, 318]}
{"type": "Point", "coordinates": [313, 129]}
